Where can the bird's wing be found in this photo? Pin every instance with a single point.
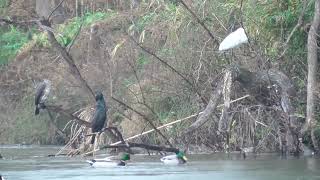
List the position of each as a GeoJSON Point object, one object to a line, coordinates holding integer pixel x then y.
{"type": "Point", "coordinates": [39, 92]}
{"type": "Point", "coordinates": [99, 117]}
{"type": "Point", "coordinates": [170, 157]}
{"type": "Point", "coordinates": [46, 92]}
{"type": "Point", "coordinates": [234, 39]}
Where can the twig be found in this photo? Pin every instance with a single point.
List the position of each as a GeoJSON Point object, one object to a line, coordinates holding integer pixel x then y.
{"type": "Point", "coordinates": [299, 24]}
{"type": "Point", "coordinates": [76, 36]}
{"type": "Point", "coordinates": [59, 109]}
{"type": "Point", "coordinates": [58, 130]}
{"type": "Point", "coordinates": [163, 126]}
{"type": "Point", "coordinates": [67, 57]}
{"type": "Point", "coordinates": [174, 122]}
{"type": "Point", "coordinates": [55, 9]}
{"type": "Point", "coordinates": [200, 22]}
{"type": "Point", "coordinates": [170, 67]}
{"type": "Point", "coordinates": [145, 146]}
{"type": "Point", "coordinates": [145, 118]}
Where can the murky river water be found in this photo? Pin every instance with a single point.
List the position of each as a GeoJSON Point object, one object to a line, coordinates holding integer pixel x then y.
{"type": "Point", "coordinates": [32, 163]}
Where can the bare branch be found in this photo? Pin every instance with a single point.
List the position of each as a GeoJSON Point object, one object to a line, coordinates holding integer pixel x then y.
{"type": "Point", "coordinates": [145, 118]}
{"type": "Point", "coordinates": [200, 22]}
{"type": "Point", "coordinates": [298, 25]}
{"type": "Point", "coordinates": [55, 9]}
{"type": "Point", "coordinates": [67, 57]}
{"type": "Point", "coordinates": [170, 67]}
{"type": "Point", "coordinates": [145, 146]}
{"type": "Point", "coordinates": [76, 36]}
{"type": "Point", "coordinates": [59, 109]}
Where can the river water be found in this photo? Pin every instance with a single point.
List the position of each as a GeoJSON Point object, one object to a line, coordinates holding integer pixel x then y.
{"type": "Point", "coordinates": [32, 163]}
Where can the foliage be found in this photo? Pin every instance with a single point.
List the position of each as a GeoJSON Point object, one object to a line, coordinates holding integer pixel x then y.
{"type": "Point", "coordinates": [3, 5]}
{"type": "Point", "coordinates": [29, 128]}
{"type": "Point", "coordinates": [11, 41]}
{"type": "Point", "coordinates": [70, 29]}
{"type": "Point", "coordinates": [66, 32]}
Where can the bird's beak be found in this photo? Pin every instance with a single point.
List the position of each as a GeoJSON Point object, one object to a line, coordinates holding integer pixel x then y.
{"type": "Point", "coordinates": [185, 158]}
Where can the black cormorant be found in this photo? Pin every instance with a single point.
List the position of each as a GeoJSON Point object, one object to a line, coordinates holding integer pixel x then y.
{"type": "Point", "coordinates": [100, 115]}
{"type": "Point", "coordinates": [42, 92]}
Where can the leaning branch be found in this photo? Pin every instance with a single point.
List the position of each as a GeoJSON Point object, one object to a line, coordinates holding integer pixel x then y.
{"type": "Point", "coordinates": [170, 67]}
{"type": "Point", "coordinates": [145, 118]}
{"type": "Point", "coordinates": [66, 56]}
{"type": "Point", "coordinates": [200, 22]}
{"type": "Point", "coordinates": [60, 110]}
{"type": "Point", "coordinates": [145, 146]}
{"type": "Point", "coordinates": [298, 25]}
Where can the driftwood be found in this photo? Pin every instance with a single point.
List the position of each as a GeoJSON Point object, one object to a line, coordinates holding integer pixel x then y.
{"type": "Point", "coordinates": [270, 87]}
{"type": "Point", "coordinates": [144, 146]}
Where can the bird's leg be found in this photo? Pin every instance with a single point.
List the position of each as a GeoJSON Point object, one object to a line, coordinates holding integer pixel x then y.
{"type": "Point", "coordinates": [94, 145]}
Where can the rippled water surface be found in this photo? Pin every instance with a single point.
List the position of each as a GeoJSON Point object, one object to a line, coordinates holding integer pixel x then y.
{"type": "Point", "coordinates": [32, 163]}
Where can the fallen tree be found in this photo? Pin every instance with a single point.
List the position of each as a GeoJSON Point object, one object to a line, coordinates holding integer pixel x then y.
{"type": "Point", "coordinates": [270, 88]}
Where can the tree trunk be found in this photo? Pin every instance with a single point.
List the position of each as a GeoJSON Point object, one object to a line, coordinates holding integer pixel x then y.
{"type": "Point", "coordinates": [312, 70]}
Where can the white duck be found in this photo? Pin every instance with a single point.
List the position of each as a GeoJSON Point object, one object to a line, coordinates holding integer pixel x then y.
{"type": "Point", "coordinates": [108, 162]}
{"type": "Point", "coordinates": [175, 159]}
{"type": "Point", "coordinates": [234, 39]}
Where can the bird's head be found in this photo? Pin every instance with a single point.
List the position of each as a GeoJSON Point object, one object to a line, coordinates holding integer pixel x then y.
{"type": "Point", "coordinates": [99, 96]}
{"type": "Point", "coordinates": [46, 81]}
{"type": "Point", "coordinates": [181, 156]}
{"type": "Point", "coordinates": [125, 157]}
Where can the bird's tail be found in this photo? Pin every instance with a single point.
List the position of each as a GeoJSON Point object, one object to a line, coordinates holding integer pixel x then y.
{"type": "Point", "coordinates": [93, 138]}
{"type": "Point", "coordinates": [37, 110]}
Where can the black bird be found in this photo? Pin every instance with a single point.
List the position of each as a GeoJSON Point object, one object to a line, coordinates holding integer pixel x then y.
{"type": "Point", "coordinates": [1, 178]}
{"type": "Point", "coordinates": [42, 92]}
{"type": "Point", "coordinates": [100, 115]}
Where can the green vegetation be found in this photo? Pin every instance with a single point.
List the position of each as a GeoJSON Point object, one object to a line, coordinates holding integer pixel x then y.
{"type": "Point", "coordinates": [29, 128]}
{"type": "Point", "coordinates": [3, 6]}
{"type": "Point", "coordinates": [11, 41]}
{"type": "Point", "coordinates": [70, 29]}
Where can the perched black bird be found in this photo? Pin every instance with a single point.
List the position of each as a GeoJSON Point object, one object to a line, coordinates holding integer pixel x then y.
{"type": "Point", "coordinates": [42, 92]}
{"type": "Point", "coordinates": [100, 115]}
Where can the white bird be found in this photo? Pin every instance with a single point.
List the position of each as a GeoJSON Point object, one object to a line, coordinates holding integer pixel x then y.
{"type": "Point", "coordinates": [178, 158]}
{"type": "Point", "coordinates": [233, 40]}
